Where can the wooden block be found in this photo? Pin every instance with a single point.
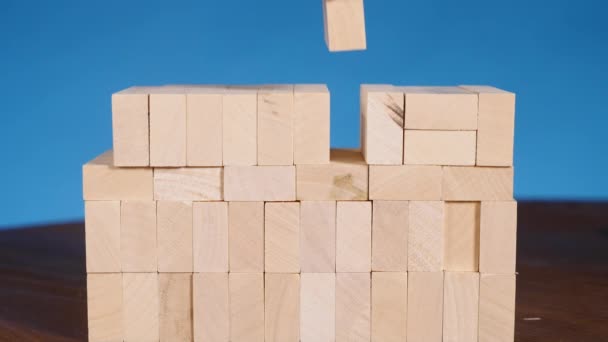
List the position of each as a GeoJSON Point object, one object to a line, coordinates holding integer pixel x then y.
{"type": "Point", "coordinates": [425, 306]}
{"type": "Point", "coordinates": [461, 240]}
{"type": "Point", "coordinates": [425, 240]}
{"type": "Point", "coordinates": [246, 236]}
{"type": "Point", "coordinates": [389, 236]}
{"type": "Point", "coordinates": [282, 307]}
{"type": "Point", "coordinates": [440, 108]}
{"type": "Point", "coordinates": [343, 179]}
{"type": "Point", "coordinates": [497, 308]}
{"type": "Point", "coordinates": [259, 183]}
{"type": "Point", "coordinates": [354, 237]}
{"type": "Point", "coordinates": [318, 237]}
{"type": "Point", "coordinates": [498, 237]}
{"type": "Point", "coordinates": [104, 306]}
{"type": "Point", "coordinates": [496, 126]}
{"type": "Point", "coordinates": [211, 308]}
{"type": "Point", "coordinates": [102, 182]}
{"type": "Point", "coordinates": [188, 184]}
{"type": "Point", "coordinates": [168, 126]}
{"type": "Point", "coordinates": [477, 183]}
{"type": "Point", "coordinates": [102, 236]}
{"type": "Point", "coordinates": [210, 236]}
{"type": "Point", "coordinates": [389, 306]}
{"type": "Point", "coordinates": [246, 307]}
{"type": "Point", "coordinates": [439, 147]}
{"type": "Point", "coordinates": [318, 307]}
{"type": "Point", "coordinates": [461, 306]}
{"type": "Point", "coordinates": [353, 307]}
{"type": "Point", "coordinates": [282, 237]}
{"type": "Point", "coordinates": [240, 126]}
{"type": "Point", "coordinates": [275, 125]}
{"type": "Point", "coordinates": [204, 131]}
{"type": "Point", "coordinates": [175, 313]}
{"type": "Point", "coordinates": [138, 236]}
{"type": "Point", "coordinates": [344, 25]}
{"type": "Point", "coordinates": [405, 182]}
{"type": "Point", "coordinates": [130, 127]}
{"type": "Point", "coordinates": [311, 125]}
{"type": "Point", "coordinates": [140, 307]}
{"type": "Point", "coordinates": [382, 124]}
{"type": "Point", "coordinates": [174, 226]}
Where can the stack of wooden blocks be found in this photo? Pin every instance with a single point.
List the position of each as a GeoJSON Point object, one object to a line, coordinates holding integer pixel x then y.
{"type": "Point", "coordinates": [222, 215]}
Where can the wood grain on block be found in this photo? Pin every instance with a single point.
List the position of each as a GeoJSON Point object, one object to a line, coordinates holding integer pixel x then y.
{"type": "Point", "coordinates": [175, 308]}
{"type": "Point", "coordinates": [389, 306]}
{"type": "Point", "coordinates": [188, 184]}
{"type": "Point", "coordinates": [477, 183]}
{"type": "Point", "coordinates": [138, 236]}
{"type": "Point", "coordinates": [102, 236]}
{"type": "Point", "coordinates": [354, 237]}
{"type": "Point", "coordinates": [353, 307]}
{"type": "Point", "coordinates": [344, 25]}
{"type": "Point", "coordinates": [211, 308]}
{"type": "Point", "coordinates": [174, 234]}
{"type": "Point", "coordinates": [282, 237]}
{"type": "Point", "coordinates": [343, 179]}
{"type": "Point", "coordinates": [259, 183]}
{"type": "Point", "coordinates": [246, 307]}
{"type": "Point", "coordinates": [461, 239]}
{"type": "Point", "coordinates": [210, 236]}
{"type": "Point", "coordinates": [239, 137]}
{"type": "Point", "coordinates": [130, 127]}
{"type": "Point", "coordinates": [318, 307]}
{"type": "Point", "coordinates": [497, 308]}
{"type": "Point", "coordinates": [104, 307]}
{"type": "Point", "coordinates": [168, 126]}
{"type": "Point", "coordinates": [311, 125]}
{"type": "Point", "coordinates": [439, 147]}
{"type": "Point", "coordinates": [246, 236]}
{"type": "Point", "coordinates": [498, 237]}
{"type": "Point", "coordinates": [425, 306]}
{"type": "Point", "coordinates": [405, 182]}
{"type": "Point", "coordinates": [101, 181]}
{"type": "Point", "coordinates": [318, 237]}
{"type": "Point", "coordinates": [275, 125]}
{"type": "Point", "coordinates": [425, 239]}
{"type": "Point", "coordinates": [282, 307]}
{"type": "Point", "coordinates": [140, 307]}
{"type": "Point", "coordinates": [460, 306]}
{"type": "Point", "coordinates": [204, 131]}
{"type": "Point", "coordinates": [440, 108]}
{"type": "Point", "coordinates": [389, 236]}
{"type": "Point", "coordinates": [382, 124]}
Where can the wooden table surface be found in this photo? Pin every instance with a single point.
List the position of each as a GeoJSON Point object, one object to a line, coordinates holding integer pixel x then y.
{"type": "Point", "coordinates": [562, 287]}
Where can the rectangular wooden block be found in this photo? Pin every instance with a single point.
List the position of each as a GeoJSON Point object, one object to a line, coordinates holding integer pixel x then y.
{"type": "Point", "coordinates": [405, 182]}
{"type": "Point", "coordinates": [210, 236]}
{"type": "Point", "coordinates": [343, 179]}
{"type": "Point", "coordinates": [461, 240]}
{"type": "Point", "coordinates": [440, 108]}
{"type": "Point", "coordinates": [259, 183]}
{"type": "Point", "coordinates": [353, 307]}
{"type": "Point", "coordinates": [188, 184]}
{"type": "Point", "coordinates": [174, 225]}
{"type": "Point", "coordinates": [497, 308]}
{"type": "Point", "coordinates": [389, 306]}
{"type": "Point", "coordinates": [282, 307]}
{"type": "Point", "coordinates": [498, 237]}
{"type": "Point", "coordinates": [425, 306]}
{"type": "Point", "coordinates": [344, 25]}
{"type": "Point", "coordinates": [138, 236]}
{"type": "Point", "coordinates": [175, 313]}
{"type": "Point", "coordinates": [439, 147]}
{"type": "Point", "coordinates": [275, 125]}
{"type": "Point", "coordinates": [102, 236]}
{"type": "Point", "coordinates": [311, 125]}
{"type": "Point", "coordinates": [460, 306]}
{"type": "Point", "coordinates": [168, 126]}
{"type": "Point", "coordinates": [104, 307]}
{"type": "Point", "coordinates": [211, 308]}
{"type": "Point", "coordinates": [354, 237]}
{"type": "Point", "coordinates": [240, 129]}
{"type": "Point", "coordinates": [204, 131]}
{"type": "Point", "coordinates": [318, 237]}
{"type": "Point", "coordinates": [140, 307]}
{"type": "Point", "coordinates": [389, 236]}
{"type": "Point", "coordinates": [246, 307]}
{"type": "Point", "coordinates": [282, 237]}
{"type": "Point", "coordinates": [130, 127]}
{"type": "Point", "coordinates": [318, 307]}
{"type": "Point", "coordinates": [246, 236]}
{"type": "Point", "coordinates": [477, 183]}
{"type": "Point", "coordinates": [425, 239]}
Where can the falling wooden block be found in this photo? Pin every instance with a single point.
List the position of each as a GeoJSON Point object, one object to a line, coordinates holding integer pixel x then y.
{"type": "Point", "coordinates": [275, 125]}
{"type": "Point", "coordinates": [318, 307]}
{"type": "Point", "coordinates": [439, 147]}
{"type": "Point", "coordinates": [138, 236]}
{"type": "Point", "coordinates": [461, 240]}
{"type": "Point", "coordinates": [282, 307]}
{"type": "Point", "coordinates": [204, 132]}
{"type": "Point", "coordinates": [354, 237]}
{"type": "Point", "coordinates": [239, 138]}
{"type": "Point", "coordinates": [389, 306]}
{"type": "Point", "coordinates": [311, 125]}
{"type": "Point", "coordinates": [318, 237]}
{"type": "Point", "coordinates": [175, 313]}
{"type": "Point", "coordinates": [246, 236]}
{"type": "Point", "coordinates": [211, 307]}
{"type": "Point", "coordinates": [104, 307]}
{"type": "Point", "coordinates": [497, 308]}
{"type": "Point", "coordinates": [460, 306]}
{"type": "Point", "coordinates": [188, 184]}
{"type": "Point", "coordinates": [282, 237]}
{"type": "Point", "coordinates": [174, 226]}
{"type": "Point", "coordinates": [440, 108]}
{"type": "Point", "coordinates": [405, 182]}
{"type": "Point", "coordinates": [353, 307]}
{"type": "Point", "coordinates": [210, 236]}
{"type": "Point", "coordinates": [498, 237]}
{"type": "Point", "coordinates": [344, 25]}
{"type": "Point", "coordinates": [425, 239]}
{"type": "Point", "coordinates": [168, 126]}
{"type": "Point", "coordinates": [477, 183]}
{"type": "Point", "coordinates": [140, 307]}
{"type": "Point", "coordinates": [246, 307]}
{"type": "Point", "coordinates": [102, 236]}
{"type": "Point", "coordinates": [343, 179]}
{"type": "Point", "coordinates": [130, 127]}
{"type": "Point", "coordinates": [425, 306]}
{"type": "Point", "coordinates": [389, 236]}
{"type": "Point", "coordinates": [259, 183]}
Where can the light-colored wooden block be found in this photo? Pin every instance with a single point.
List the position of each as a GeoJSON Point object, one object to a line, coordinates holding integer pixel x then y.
{"type": "Point", "coordinates": [174, 233]}
{"type": "Point", "coordinates": [382, 124]}
{"type": "Point", "coordinates": [282, 307]}
{"type": "Point", "coordinates": [210, 236]}
{"type": "Point", "coordinates": [318, 237]}
{"type": "Point", "coordinates": [138, 236]}
{"type": "Point", "coordinates": [102, 236]}
{"type": "Point", "coordinates": [389, 306]}
{"type": "Point", "coordinates": [405, 182]}
{"type": "Point", "coordinates": [425, 239]}
{"type": "Point", "coordinates": [311, 125]}
{"type": "Point", "coordinates": [497, 308]}
{"type": "Point", "coordinates": [343, 179]}
{"type": "Point", "coordinates": [102, 182]}
{"type": "Point", "coordinates": [439, 147]}
{"type": "Point", "coordinates": [318, 307]}
{"type": "Point", "coordinates": [246, 307]}
{"type": "Point", "coordinates": [353, 307]}
{"type": "Point", "coordinates": [259, 183]}
{"type": "Point", "coordinates": [175, 308]}
{"type": "Point", "coordinates": [425, 306]}
{"type": "Point", "coordinates": [477, 183]}
{"type": "Point", "coordinates": [104, 307]}
{"type": "Point", "coordinates": [461, 239]}
{"type": "Point", "coordinates": [188, 184]}
{"type": "Point", "coordinates": [275, 125]}
{"type": "Point", "coordinates": [168, 126]}
{"type": "Point", "coordinates": [460, 306]}
{"type": "Point", "coordinates": [344, 25]}
{"type": "Point", "coordinates": [354, 237]}
{"type": "Point", "coordinates": [211, 308]}
{"type": "Point", "coordinates": [498, 237]}
{"type": "Point", "coordinates": [246, 236]}
{"type": "Point", "coordinates": [240, 126]}
{"type": "Point", "coordinates": [204, 131]}
{"type": "Point", "coordinates": [440, 108]}
{"type": "Point", "coordinates": [282, 237]}
{"type": "Point", "coordinates": [140, 307]}
{"type": "Point", "coordinates": [389, 236]}
{"type": "Point", "coordinates": [130, 127]}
